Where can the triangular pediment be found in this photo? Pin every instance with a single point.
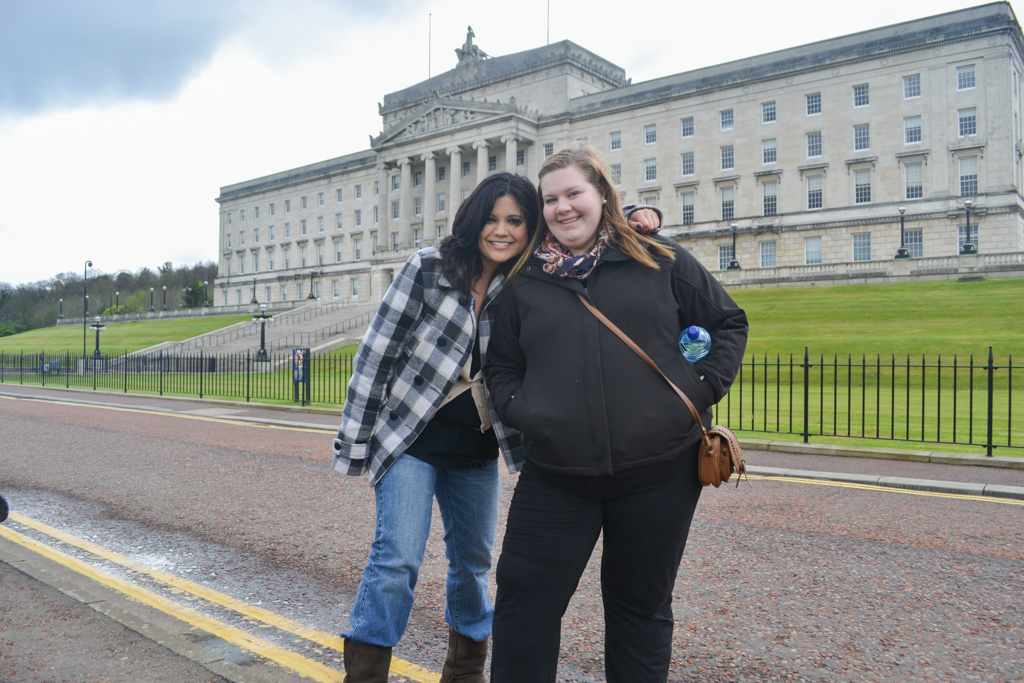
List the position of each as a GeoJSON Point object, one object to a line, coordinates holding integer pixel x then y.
{"type": "Point", "coordinates": [443, 113]}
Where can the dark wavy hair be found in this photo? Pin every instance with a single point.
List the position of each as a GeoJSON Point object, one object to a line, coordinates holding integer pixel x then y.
{"type": "Point", "coordinates": [460, 253]}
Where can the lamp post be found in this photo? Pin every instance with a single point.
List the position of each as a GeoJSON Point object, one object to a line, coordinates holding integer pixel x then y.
{"type": "Point", "coordinates": [262, 319]}
{"type": "Point", "coordinates": [206, 294]}
{"type": "Point", "coordinates": [968, 246]}
{"type": "Point", "coordinates": [60, 316]}
{"type": "Point", "coordinates": [98, 326]}
{"type": "Point", "coordinates": [254, 301]}
{"type": "Point", "coordinates": [902, 252]}
{"type": "Point", "coordinates": [85, 312]}
{"type": "Point", "coordinates": [734, 264]}
{"type": "Point", "coordinates": [163, 306]}
{"type": "Point", "coordinates": [312, 294]}
{"type": "Point", "coordinates": [151, 300]}
{"type": "Point", "coordinates": [117, 306]}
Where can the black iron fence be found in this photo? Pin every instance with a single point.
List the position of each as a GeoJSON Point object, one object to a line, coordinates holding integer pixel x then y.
{"type": "Point", "coordinates": [936, 401]}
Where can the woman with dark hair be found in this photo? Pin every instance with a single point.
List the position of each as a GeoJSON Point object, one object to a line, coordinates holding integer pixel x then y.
{"type": "Point", "coordinates": [418, 420]}
{"type": "Point", "coordinates": [610, 448]}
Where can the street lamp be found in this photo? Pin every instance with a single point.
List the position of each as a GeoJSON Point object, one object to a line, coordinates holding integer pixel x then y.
{"type": "Point", "coordinates": [254, 301]}
{"type": "Point", "coordinates": [60, 316]}
{"type": "Point", "coordinates": [163, 306]}
{"type": "Point", "coordinates": [206, 294]}
{"type": "Point", "coordinates": [733, 263]}
{"type": "Point", "coordinates": [968, 247]}
{"type": "Point", "coordinates": [902, 252]}
{"type": "Point", "coordinates": [117, 307]}
{"type": "Point", "coordinates": [151, 300]}
{"type": "Point", "coordinates": [85, 312]}
{"type": "Point", "coordinates": [312, 294]}
{"type": "Point", "coordinates": [98, 327]}
{"type": "Point", "coordinates": [262, 319]}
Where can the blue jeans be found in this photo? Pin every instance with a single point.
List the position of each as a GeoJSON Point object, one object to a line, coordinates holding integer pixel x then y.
{"type": "Point", "coordinates": [468, 500]}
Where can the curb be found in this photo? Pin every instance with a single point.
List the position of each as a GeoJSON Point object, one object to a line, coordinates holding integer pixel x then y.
{"type": "Point", "coordinates": [938, 457]}
{"type": "Point", "coordinates": [931, 485]}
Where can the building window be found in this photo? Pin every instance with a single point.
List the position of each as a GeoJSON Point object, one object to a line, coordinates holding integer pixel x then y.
{"type": "Point", "coordinates": [241, 215]}
{"type": "Point", "coordinates": [911, 86]}
{"type": "Point", "coordinates": [302, 227]}
{"type": "Point", "coordinates": [358, 217]}
{"type": "Point", "coordinates": [271, 231]}
{"type": "Point", "coordinates": [357, 248]}
{"type": "Point", "coordinates": [303, 201]}
{"type": "Point", "coordinates": [287, 230]}
{"type": "Point", "coordinates": [862, 246]}
{"type": "Point", "coordinates": [617, 174]}
{"type": "Point", "coordinates": [726, 116]}
{"type": "Point", "coordinates": [814, 104]}
{"type": "Point", "coordinates": [319, 223]}
{"type": "Point", "coordinates": [229, 218]}
{"type": "Point", "coordinates": [968, 176]}
{"type": "Point", "coordinates": [319, 198]}
{"type": "Point", "coordinates": [440, 230]}
{"type": "Point", "coordinates": [337, 221]}
{"type": "Point", "coordinates": [255, 235]}
{"type": "Point", "coordinates": [687, 163]}
{"type": "Point", "coordinates": [812, 250]}
{"type": "Point", "coordinates": [255, 213]}
{"type": "Point", "coordinates": [287, 206]}
{"type": "Point", "coordinates": [337, 251]}
{"type": "Point", "coordinates": [271, 208]}
{"type": "Point", "coordinates": [769, 192]}
{"type": "Point", "coordinates": [238, 297]}
{"type": "Point", "coordinates": [441, 174]}
{"type": "Point", "coordinates": [355, 288]}
{"type": "Point", "coordinates": [376, 188]}
{"type": "Point", "coordinates": [860, 95]}
{"type": "Point", "coordinates": [549, 149]}
{"type": "Point", "coordinates": [961, 237]}
{"type": "Point", "coordinates": [287, 259]}
{"type": "Point", "coordinates": [302, 257]}
{"type": "Point", "coordinates": [229, 240]}
{"type": "Point", "coordinates": [968, 121]}
{"type": "Point", "coordinates": [376, 218]}
{"type": "Point", "coordinates": [965, 77]}
{"type": "Point", "coordinates": [225, 298]}
{"type": "Point", "coordinates": [395, 210]}
{"type": "Point", "coordinates": [687, 127]}
{"type": "Point", "coordinates": [768, 152]}
{"type": "Point", "coordinates": [520, 157]}
{"type": "Point", "coordinates": [396, 182]}
{"type": "Point", "coordinates": [359, 191]}
{"type": "Point", "coordinates": [814, 144]}
{"type": "Point", "coordinates": [862, 187]}
{"type": "Point", "coordinates": [651, 200]}
{"type": "Point", "coordinates": [728, 196]}
{"type": "Point", "coordinates": [270, 261]}
{"type": "Point", "coordinates": [417, 178]}
{"type": "Point", "coordinates": [227, 266]}
{"type": "Point", "coordinates": [725, 255]}
{"type": "Point", "coordinates": [911, 130]}
{"type": "Point", "coordinates": [913, 240]}
{"type": "Point", "coordinates": [241, 264]}
{"type": "Point", "coordinates": [268, 294]}
{"type": "Point", "coordinates": [767, 112]}
{"type": "Point", "coordinates": [320, 254]}
{"type": "Point", "coordinates": [650, 170]}
{"type": "Point", "coordinates": [687, 203]}
{"type": "Point", "coordinates": [915, 186]}
{"type": "Point", "coordinates": [394, 241]}
{"type": "Point", "coordinates": [337, 288]}
{"type": "Point", "coordinates": [862, 136]}
{"type": "Point", "coordinates": [492, 163]}
{"type": "Point", "coordinates": [284, 292]}
{"type": "Point", "coordinates": [417, 237]}
{"type": "Point", "coordinates": [338, 194]}
{"type": "Point", "coordinates": [465, 195]}
{"type": "Point", "coordinates": [241, 238]}
{"type": "Point", "coordinates": [615, 141]}
{"type": "Point", "coordinates": [650, 134]}
{"type": "Point", "coordinates": [727, 159]}
{"type": "Point", "coordinates": [417, 206]}
{"type": "Point", "coordinates": [465, 169]}
{"type": "Point", "coordinates": [301, 289]}
{"type": "Point", "coordinates": [814, 191]}
{"type": "Point", "coordinates": [768, 255]}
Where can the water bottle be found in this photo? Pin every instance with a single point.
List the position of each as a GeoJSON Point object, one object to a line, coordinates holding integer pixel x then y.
{"type": "Point", "coordinates": [694, 342]}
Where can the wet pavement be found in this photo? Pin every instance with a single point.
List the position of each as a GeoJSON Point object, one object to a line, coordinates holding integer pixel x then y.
{"type": "Point", "coordinates": [780, 581]}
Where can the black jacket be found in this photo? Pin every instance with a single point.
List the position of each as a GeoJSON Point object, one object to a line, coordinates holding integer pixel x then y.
{"type": "Point", "coordinates": [584, 401]}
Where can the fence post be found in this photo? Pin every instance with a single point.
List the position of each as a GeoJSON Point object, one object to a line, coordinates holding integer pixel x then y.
{"type": "Point", "coordinates": [161, 373]}
{"type": "Point", "coordinates": [67, 369]}
{"type": "Point", "coordinates": [807, 383]}
{"type": "Point", "coordinates": [21, 369]}
{"type": "Point", "coordinates": [248, 365]}
{"type": "Point", "coordinates": [991, 372]}
{"type": "Point", "coordinates": [202, 369]}
{"type": "Point", "coordinates": [125, 372]}
{"type": "Point", "coordinates": [3, 367]}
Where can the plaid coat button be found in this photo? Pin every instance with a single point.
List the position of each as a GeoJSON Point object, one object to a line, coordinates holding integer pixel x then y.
{"type": "Point", "coordinates": [417, 380]}
{"type": "Point", "coordinates": [442, 342]}
{"type": "Point", "coordinates": [393, 415]}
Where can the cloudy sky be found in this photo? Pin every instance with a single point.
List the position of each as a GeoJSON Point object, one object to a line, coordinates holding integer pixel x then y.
{"type": "Point", "coordinates": [121, 119]}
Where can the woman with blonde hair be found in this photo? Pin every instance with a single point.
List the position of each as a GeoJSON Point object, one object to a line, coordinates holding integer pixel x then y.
{"type": "Point", "coordinates": [609, 446]}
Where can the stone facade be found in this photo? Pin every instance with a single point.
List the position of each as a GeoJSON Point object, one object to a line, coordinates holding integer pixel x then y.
{"type": "Point", "coordinates": [816, 147]}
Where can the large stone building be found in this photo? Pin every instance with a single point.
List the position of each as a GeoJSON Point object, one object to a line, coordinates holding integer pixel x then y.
{"type": "Point", "coordinates": [802, 158]}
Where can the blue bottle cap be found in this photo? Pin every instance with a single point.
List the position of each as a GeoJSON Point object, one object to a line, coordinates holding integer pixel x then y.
{"type": "Point", "coordinates": [693, 333]}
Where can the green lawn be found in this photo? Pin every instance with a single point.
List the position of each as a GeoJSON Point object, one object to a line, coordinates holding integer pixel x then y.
{"type": "Point", "coordinates": [118, 337]}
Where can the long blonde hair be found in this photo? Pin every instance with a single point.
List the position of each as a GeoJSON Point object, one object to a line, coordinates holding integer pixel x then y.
{"type": "Point", "coordinates": [623, 237]}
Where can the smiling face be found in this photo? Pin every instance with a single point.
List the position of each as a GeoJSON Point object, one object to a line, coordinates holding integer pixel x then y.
{"type": "Point", "coordinates": [572, 208]}
{"type": "Point", "coordinates": [504, 234]}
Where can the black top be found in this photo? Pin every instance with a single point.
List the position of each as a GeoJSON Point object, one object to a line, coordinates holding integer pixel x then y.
{"type": "Point", "coordinates": [452, 439]}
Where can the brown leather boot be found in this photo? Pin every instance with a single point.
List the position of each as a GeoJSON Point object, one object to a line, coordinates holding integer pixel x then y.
{"type": "Point", "coordinates": [366, 663]}
{"type": "Point", "coordinates": [465, 660]}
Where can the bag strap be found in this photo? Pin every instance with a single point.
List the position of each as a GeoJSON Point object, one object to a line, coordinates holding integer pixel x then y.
{"type": "Point", "coordinates": [647, 359]}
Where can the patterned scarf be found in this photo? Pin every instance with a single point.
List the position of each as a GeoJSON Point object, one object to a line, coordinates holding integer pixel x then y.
{"type": "Point", "coordinates": [559, 261]}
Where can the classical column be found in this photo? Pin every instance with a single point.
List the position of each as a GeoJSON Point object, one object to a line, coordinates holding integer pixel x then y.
{"type": "Point", "coordinates": [481, 160]}
{"type": "Point", "coordinates": [511, 146]}
{"type": "Point", "coordinates": [405, 209]}
{"type": "Point", "coordinates": [455, 179]}
{"type": "Point", "coordinates": [383, 210]}
{"type": "Point", "coordinates": [429, 195]}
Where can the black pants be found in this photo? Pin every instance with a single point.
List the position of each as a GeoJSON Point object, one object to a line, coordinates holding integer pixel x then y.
{"type": "Point", "coordinates": [553, 524]}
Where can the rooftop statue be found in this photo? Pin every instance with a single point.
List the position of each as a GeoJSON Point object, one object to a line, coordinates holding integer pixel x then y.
{"type": "Point", "coordinates": [469, 50]}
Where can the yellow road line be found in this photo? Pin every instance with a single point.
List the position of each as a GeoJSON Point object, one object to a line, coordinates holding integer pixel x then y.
{"type": "Point", "coordinates": [183, 416]}
{"type": "Point", "coordinates": [258, 646]}
{"type": "Point", "coordinates": [890, 489]}
{"type": "Point", "coordinates": [398, 666]}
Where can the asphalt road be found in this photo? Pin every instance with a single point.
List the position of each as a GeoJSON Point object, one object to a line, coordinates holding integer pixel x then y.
{"type": "Point", "coordinates": [780, 581]}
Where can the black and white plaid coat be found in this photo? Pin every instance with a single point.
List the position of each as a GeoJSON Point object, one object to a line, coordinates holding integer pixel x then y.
{"type": "Point", "coordinates": [407, 363]}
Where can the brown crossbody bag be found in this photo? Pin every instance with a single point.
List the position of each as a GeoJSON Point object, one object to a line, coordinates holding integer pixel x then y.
{"type": "Point", "coordinates": [720, 452]}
